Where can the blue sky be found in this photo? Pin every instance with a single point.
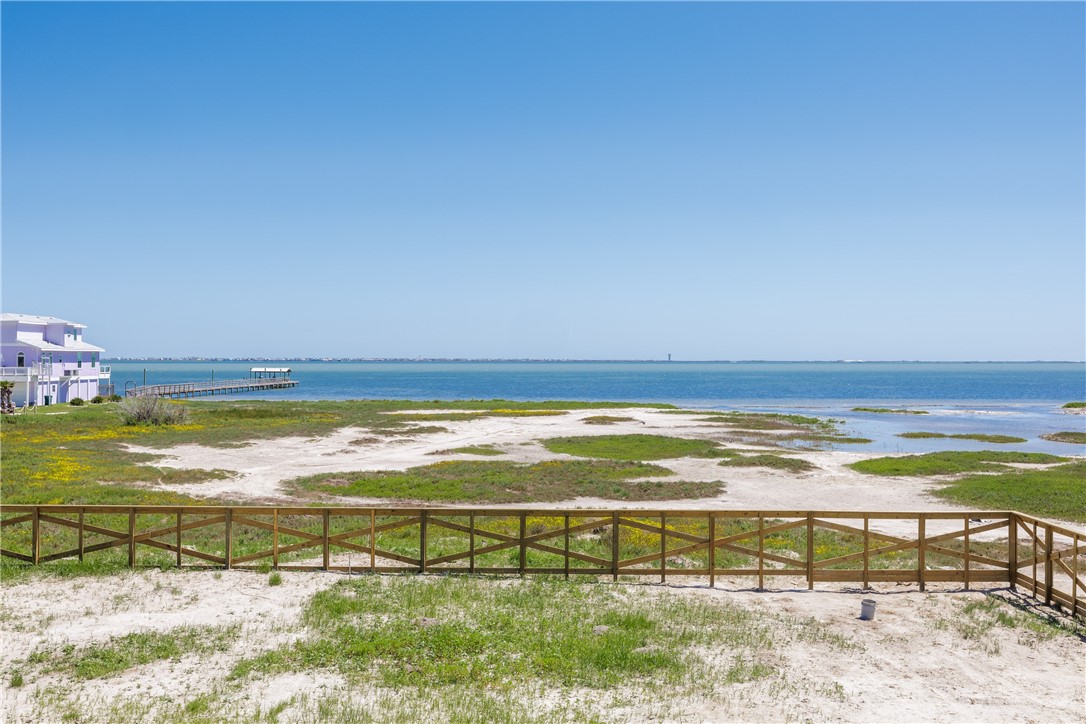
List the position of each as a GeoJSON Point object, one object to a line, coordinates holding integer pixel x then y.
{"type": "Point", "coordinates": [715, 181]}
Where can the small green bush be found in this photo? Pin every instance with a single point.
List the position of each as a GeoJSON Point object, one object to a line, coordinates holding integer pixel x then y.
{"type": "Point", "coordinates": [275, 579]}
{"type": "Point", "coordinates": [152, 411]}
{"type": "Point", "coordinates": [115, 398]}
{"type": "Point", "coordinates": [97, 400]}
{"type": "Point", "coordinates": [75, 401]}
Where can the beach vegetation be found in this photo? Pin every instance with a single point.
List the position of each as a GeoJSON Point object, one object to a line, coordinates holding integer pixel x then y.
{"type": "Point", "coordinates": [1078, 438]}
{"type": "Point", "coordinates": [952, 463]}
{"type": "Point", "coordinates": [1074, 405]}
{"type": "Point", "coordinates": [152, 411]}
{"type": "Point", "coordinates": [768, 460]}
{"type": "Point", "coordinates": [890, 411]}
{"type": "Point", "coordinates": [467, 481]}
{"type": "Point", "coordinates": [979, 437]}
{"type": "Point", "coordinates": [450, 633]}
{"type": "Point", "coordinates": [97, 400]}
{"type": "Point", "coordinates": [76, 401]}
{"type": "Point", "coordinates": [1053, 492]}
{"type": "Point", "coordinates": [630, 447]}
{"type": "Point", "coordinates": [485, 450]}
{"type": "Point", "coordinates": [606, 420]}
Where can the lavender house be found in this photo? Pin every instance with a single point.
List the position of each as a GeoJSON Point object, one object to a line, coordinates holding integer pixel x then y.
{"type": "Point", "coordinates": [48, 360]}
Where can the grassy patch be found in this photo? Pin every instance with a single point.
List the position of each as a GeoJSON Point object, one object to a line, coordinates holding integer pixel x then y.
{"type": "Point", "coordinates": [889, 411]}
{"type": "Point", "coordinates": [1072, 437]}
{"type": "Point", "coordinates": [80, 457]}
{"type": "Point", "coordinates": [486, 450]}
{"type": "Point", "coordinates": [606, 420]}
{"type": "Point", "coordinates": [630, 447]}
{"type": "Point", "coordinates": [1056, 492]}
{"type": "Point", "coordinates": [507, 482]}
{"type": "Point", "coordinates": [951, 463]}
{"type": "Point", "coordinates": [454, 632]}
{"type": "Point", "coordinates": [979, 437]}
{"type": "Point", "coordinates": [1074, 405]}
{"type": "Point", "coordinates": [474, 415]}
{"type": "Point", "coordinates": [776, 462]}
{"type": "Point", "coordinates": [121, 653]}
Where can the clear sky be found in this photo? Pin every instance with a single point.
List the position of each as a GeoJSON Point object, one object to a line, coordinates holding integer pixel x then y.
{"type": "Point", "coordinates": [714, 181]}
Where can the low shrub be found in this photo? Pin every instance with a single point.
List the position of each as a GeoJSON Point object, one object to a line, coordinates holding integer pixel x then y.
{"type": "Point", "coordinates": [75, 401]}
{"type": "Point", "coordinates": [97, 400]}
{"type": "Point", "coordinates": [115, 398]}
{"type": "Point", "coordinates": [152, 411]}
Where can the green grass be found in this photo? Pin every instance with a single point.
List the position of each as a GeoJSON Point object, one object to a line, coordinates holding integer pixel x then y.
{"type": "Point", "coordinates": [1074, 405]}
{"type": "Point", "coordinates": [410, 632]}
{"type": "Point", "coordinates": [979, 437]}
{"type": "Point", "coordinates": [776, 462]}
{"type": "Point", "coordinates": [889, 411]}
{"type": "Point", "coordinates": [121, 653]}
{"type": "Point", "coordinates": [606, 419]}
{"type": "Point", "coordinates": [951, 463]}
{"type": "Point", "coordinates": [631, 447]}
{"type": "Point", "coordinates": [79, 457]}
{"type": "Point", "coordinates": [465, 481]}
{"type": "Point", "coordinates": [1078, 438]}
{"type": "Point", "coordinates": [485, 450]}
{"type": "Point", "coordinates": [1056, 492]}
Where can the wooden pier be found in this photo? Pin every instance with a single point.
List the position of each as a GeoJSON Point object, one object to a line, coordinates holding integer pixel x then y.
{"type": "Point", "coordinates": [217, 387]}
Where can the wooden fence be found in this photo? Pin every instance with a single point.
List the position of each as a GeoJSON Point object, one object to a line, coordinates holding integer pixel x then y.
{"type": "Point", "coordinates": [816, 546]}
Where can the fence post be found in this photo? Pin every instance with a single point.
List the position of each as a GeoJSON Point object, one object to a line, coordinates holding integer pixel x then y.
{"type": "Point", "coordinates": [965, 552]}
{"type": "Point", "coordinates": [422, 541]}
{"type": "Point", "coordinates": [761, 552]}
{"type": "Point", "coordinates": [373, 540]}
{"type": "Point", "coordinates": [35, 535]}
{"type": "Point", "coordinates": [131, 537]}
{"type": "Point", "coordinates": [614, 546]}
{"type": "Point", "coordinates": [523, 544]}
{"type": "Point", "coordinates": [663, 547]}
{"type": "Point", "coordinates": [228, 526]}
{"type": "Point", "coordinates": [1012, 549]}
{"type": "Point", "coordinates": [1048, 565]}
{"type": "Point", "coordinates": [810, 551]}
{"type": "Point", "coordinates": [275, 538]}
{"type": "Point", "coordinates": [921, 549]}
{"type": "Point", "coordinates": [712, 550]}
{"type": "Point", "coordinates": [471, 542]}
{"type": "Point", "coordinates": [324, 538]}
{"type": "Point", "coordinates": [81, 546]}
{"type": "Point", "coordinates": [566, 523]}
{"type": "Point", "coordinates": [178, 538]}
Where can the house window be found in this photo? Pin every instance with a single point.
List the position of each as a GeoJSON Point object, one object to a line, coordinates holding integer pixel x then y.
{"type": "Point", "coordinates": [21, 360]}
{"type": "Point", "coordinates": [94, 359]}
{"type": "Point", "coordinates": [78, 359]}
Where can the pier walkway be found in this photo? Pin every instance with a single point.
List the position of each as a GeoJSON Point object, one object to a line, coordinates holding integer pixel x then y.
{"type": "Point", "coordinates": [216, 387]}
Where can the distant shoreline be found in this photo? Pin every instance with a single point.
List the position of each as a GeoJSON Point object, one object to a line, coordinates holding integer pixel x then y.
{"type": "Point", "coordinates": [535, 360]}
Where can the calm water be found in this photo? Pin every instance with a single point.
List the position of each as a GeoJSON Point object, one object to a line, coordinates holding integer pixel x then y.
{"type": "Point", "coordinates": [997, 398]}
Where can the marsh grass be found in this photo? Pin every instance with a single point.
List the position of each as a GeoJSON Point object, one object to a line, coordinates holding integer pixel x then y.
{"type": "Point", "coordinates": [80, 458]}
{"type": "Point", "coordinates": [889, 411]}
{"type": "Point", "coordinates": [979, 437]}
{"type": "Point", "coordinates": [606, 420]}
{"type": "Point", "coordinates": [1074, 405]}
{"type": "Point", "coordinates": [1054, 492]}
{"type": "Point", "coordinates": [485, 450]}
{"type": "Point", "coordinates": [1078, 438]}
{"type": "Point", "coordinates": [951, 462]}
{"type": "Point", "coordinates": [508, 482]}
{"type": "Point", "coordinates": [631, 447]}
{"type": "Point", "coordinates": [775, 462]}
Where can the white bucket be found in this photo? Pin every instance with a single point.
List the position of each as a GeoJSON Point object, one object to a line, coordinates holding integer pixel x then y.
{"type": "Point", "coordinates": [867, 609]}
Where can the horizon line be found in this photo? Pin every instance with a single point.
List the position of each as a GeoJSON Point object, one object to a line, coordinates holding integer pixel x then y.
{"type": "Point", "coordinates": [261, 358]}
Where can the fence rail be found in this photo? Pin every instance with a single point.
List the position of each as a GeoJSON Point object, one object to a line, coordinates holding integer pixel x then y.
{"type": "Point", "coordinates": [969, 548]}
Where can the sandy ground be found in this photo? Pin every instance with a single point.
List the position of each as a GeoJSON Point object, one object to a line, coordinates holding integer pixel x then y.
{"type": "Point", "coordinates": [906, 665]}
{"type": "Point", "coordinates": [262, 467]}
